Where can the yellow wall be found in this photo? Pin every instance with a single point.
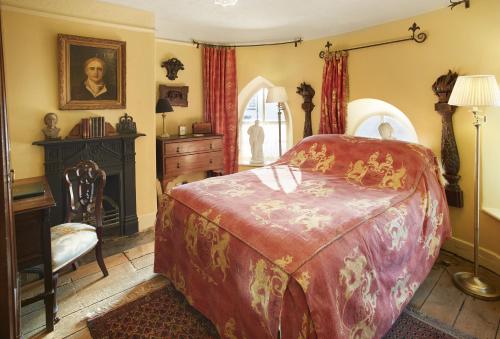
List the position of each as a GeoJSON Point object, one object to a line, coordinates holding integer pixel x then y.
{"type": "Point", "coordinates": [31, 83]}
{"type": "Point", "coordinates": [462, 40]}
{"type": "Point", "coordinates": [465, 41]}
{"type": "Point", "coordinates": [191, 76]}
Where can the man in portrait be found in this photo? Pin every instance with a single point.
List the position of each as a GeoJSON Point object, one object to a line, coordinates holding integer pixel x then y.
{"type": "Point", "coordinates": [94, 85]}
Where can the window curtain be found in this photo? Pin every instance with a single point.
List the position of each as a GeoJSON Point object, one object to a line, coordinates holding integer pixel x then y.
{"type": "Point", "coordinates": [334, 94]}
{"type": "Point", "coordinates": [221, 99]}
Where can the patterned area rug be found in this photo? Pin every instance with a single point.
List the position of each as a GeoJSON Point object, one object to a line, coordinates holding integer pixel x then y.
{"type": "Point", "coordinates": [165, 313]}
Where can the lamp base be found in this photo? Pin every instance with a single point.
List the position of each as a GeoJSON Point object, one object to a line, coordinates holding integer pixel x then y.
{"type": "Point", "coordinates": [165, 135]}
{"type": "Point", "coordinates": [475, 286]}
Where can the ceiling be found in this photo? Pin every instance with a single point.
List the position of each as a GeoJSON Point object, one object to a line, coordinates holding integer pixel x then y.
{"type": "Point", "coordinates": [257, 21]}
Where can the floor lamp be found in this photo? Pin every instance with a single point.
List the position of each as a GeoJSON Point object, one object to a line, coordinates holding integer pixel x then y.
{"type": "Point", "coordinates": [278, 95]}
{"type": "Point", "coordinates": [476, 91]}
{"type": "Point", "coordinates": [163, 106]}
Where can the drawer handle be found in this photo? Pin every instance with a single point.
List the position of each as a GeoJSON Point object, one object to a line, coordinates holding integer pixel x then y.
{"type": "Point", "coordinates": [178, 149]}
{"type": "Point", "coordinates": [211, 146]}
{"type": "Point", "coordinates": [178, 165]}
{"type": "Point", "coordinates": [210, 160]}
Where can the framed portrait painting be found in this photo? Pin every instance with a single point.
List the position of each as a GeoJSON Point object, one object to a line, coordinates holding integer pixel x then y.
{"type": "Point", "coordinates": [91, 73]}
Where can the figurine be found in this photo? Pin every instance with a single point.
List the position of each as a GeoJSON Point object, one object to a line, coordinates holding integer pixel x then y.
{"type": "Point", "coordinates": [256, 140]}
{"type": "Point", "coordinates": [51, 131]}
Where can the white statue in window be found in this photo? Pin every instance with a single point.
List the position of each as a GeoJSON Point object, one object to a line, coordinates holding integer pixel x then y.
{"type": "Point", "coordinates": [385, 130]}
{"type": "Point", "coordinates": [256, 139]}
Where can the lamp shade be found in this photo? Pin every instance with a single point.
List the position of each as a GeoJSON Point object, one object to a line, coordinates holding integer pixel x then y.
{"type": "Point", "coordinates": [163, 105]}
{"type": "Point", "coordinates": [475, 90]}
{"type": "Point", "coordinates": [276, 94]}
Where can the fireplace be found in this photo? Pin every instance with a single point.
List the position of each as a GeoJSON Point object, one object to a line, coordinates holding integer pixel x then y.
{"type": "Point", "coordinates": [116, 156]}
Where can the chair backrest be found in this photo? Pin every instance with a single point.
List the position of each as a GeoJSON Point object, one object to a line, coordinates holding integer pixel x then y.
{"type": "Point", "coordinates": [85, 185]}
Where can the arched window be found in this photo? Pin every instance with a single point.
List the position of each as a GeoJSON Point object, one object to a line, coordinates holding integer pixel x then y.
{"type": "Point", "coordinates": [256, 108]}
{"type": "Point", "coordinates": [373, 118]}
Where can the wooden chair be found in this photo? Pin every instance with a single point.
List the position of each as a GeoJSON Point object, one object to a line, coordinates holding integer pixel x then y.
{"type": "Point", "coordinates": [82, 230]}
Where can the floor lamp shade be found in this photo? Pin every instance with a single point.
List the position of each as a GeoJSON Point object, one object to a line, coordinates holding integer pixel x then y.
{"type": "Point", "coordinates": [163, 106]}
{"type": "Point", "coordinates": [276, 94]}
{"type": "Point", "coordinates": [476, 91]}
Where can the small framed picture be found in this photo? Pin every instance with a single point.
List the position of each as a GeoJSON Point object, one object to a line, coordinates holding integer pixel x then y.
{"type": "Point", "coordinates": [91, 73]}
{"type": "Point", "coordinates": [176, 95]}
{"type": "Point", "coordinates": [182, 130]}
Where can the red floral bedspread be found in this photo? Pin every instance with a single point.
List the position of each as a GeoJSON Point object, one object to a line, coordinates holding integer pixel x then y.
{"type": "Point", "coordinates": [331, 241]}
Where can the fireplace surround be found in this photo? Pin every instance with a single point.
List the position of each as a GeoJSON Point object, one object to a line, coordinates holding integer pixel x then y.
{"type": "Point", "coordinates": [116, 156]}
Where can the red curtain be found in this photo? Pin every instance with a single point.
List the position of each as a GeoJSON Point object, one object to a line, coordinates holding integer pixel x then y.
{"type": "Point", "coordinates": [221, 100]}
{"type": "Point", "coordinates": [334, 93]}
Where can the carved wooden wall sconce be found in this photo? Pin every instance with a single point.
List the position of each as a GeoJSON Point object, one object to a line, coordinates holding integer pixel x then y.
{"type": "Point", "coordinates": [450, 159]}
{"type": "Point", "coordinates": [172, 66]}
{"type": "Point", "coordinates": [307, 93]}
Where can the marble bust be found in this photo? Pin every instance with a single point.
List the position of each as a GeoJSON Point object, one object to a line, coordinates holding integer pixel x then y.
{"type": "Point", "coordinates": [385, 130]}
{"type": "Point", "coordinates": [51, 131]}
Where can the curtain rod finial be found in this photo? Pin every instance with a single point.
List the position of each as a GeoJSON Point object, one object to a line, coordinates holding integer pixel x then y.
{"type": "Point", "coordinates": [453, 4]}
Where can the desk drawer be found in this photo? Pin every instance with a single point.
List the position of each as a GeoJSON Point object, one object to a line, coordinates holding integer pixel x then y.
{"type": "Point", "coordinates": [192, 163]}
{"type": "Point", "coordinates": [193, 146]}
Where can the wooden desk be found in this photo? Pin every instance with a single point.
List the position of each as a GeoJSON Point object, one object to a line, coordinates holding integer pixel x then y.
{"type": "Point", "coordinates": [32, 223]}
{"type": "Point", "coordinates": [178, 155]}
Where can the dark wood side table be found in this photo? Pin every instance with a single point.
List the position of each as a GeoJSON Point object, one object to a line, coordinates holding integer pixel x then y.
{"type": "Point", "coordinates": [32, 223]}
{"type": "Point", "coordinates": [178, 155]}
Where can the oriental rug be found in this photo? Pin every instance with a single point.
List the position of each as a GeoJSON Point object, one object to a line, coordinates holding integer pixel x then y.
{"type": "Point", "coordinates": [165, 313]}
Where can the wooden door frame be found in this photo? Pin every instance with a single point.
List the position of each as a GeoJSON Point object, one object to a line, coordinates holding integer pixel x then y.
{"type": "Point", "coordinates": [9, 296]}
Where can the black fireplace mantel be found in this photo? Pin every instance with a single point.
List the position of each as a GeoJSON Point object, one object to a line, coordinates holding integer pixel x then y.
{"type": "Point", "coordinates": [114, 154]}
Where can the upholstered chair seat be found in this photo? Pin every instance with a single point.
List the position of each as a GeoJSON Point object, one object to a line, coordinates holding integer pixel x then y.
{"type": "Point", "coordinates": [70, 241]}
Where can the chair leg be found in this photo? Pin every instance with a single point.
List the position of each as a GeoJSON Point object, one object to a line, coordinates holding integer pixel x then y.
{"type": "Point", "coordinates": [55, 277]}
{"type": "Point", "coordinates": [100, 260]}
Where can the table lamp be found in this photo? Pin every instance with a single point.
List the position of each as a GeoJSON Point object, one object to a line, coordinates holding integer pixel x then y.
{"type": "Point", "coordinates": [163, 106]}
{"type": "Point", "coordinates": [476, 91]}
{"type": "Point", "coordinates": [277, 94]}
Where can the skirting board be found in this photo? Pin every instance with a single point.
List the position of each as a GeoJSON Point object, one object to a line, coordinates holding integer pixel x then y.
{"type": "Point", "coordinates": [464, 249]}
{"type": "Point", "coordinates": [146, 221]}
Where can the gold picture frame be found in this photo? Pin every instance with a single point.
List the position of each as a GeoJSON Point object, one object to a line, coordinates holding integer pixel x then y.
{"type": "Point", "coordinates": [92, 73]}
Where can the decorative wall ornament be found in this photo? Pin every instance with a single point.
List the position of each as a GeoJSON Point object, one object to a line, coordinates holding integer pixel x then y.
{"type": "Point", "coordinates": [450, 159]}
{"type": "Point", "coordinates": [172, 66]}
{"type": "Point", "coordinates": [453, 4]}
{"type": "Point", "coordinates": [176, 95]}
{"type": "Point", "coordinates": [307, 92]}
{"type": "Point", "coordinates": [126, 125]}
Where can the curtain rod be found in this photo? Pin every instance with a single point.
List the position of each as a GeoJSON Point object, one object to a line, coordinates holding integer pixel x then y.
{"type": "Point", "coordinates": [295, 42]}
{"type": "Point", "coordinates": [417, 37]}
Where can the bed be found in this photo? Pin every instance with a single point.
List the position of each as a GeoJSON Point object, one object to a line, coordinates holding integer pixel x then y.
{"type": "Point", "coordinates": [331, 241]}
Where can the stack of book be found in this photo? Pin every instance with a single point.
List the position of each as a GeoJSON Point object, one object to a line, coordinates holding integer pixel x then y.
{"type": "Point", "coordinates": [93, 127]}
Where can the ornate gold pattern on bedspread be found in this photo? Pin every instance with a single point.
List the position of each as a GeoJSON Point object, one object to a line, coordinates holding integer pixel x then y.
{"type": "Point", "coordinates": [198, 225]}
{"type": "Point", "coordinates": [331, 241]}
{"type": "Point", "coordinates": [322, 160]}
{"type": "Point", "coordinates": [264, 282]}
{"type": "Point", "coordinates": [391, 178]}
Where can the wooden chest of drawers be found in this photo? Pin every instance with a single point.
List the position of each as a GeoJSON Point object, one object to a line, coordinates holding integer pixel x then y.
{"type": "Point", "coordinates": [187, 154]}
